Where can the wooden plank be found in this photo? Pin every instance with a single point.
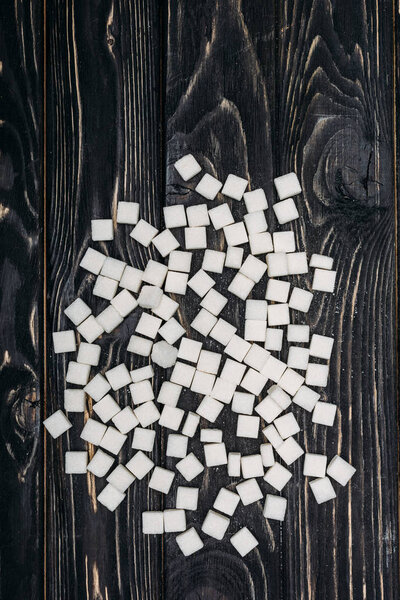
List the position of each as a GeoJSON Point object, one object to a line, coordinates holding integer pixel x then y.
{"type": "Point", "coordinates": [335, 96]}
{"type": "Point", "coordinates": [103, 146]}
{"type": "Point", "coordinates": [21, 169]}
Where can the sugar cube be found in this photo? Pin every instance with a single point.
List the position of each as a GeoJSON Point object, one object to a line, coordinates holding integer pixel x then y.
{"type": "Point", "coordinates": [177, 446]}
{"type": "Point", "coordinates": [148, 325]}
{"type": "Point", "coordinates": [322, 489]}
{"type": "Point", "coordinates": [106, 408]}
{"type": "Point", "coordinates": [112, 268]}
{"type": "Point", "coordinates": [169, 393]}
{"type": "Point", "coordinates": [234, 187]}
{"type": "Point", "coordinates": [221, 216]}
{"type": "Point", "coordinates": [189, 542]}
{"type": "Point", "coordinates": [278, 314]}
{"type": "Point", "coordinates": [152, 522]}
{"type": "Point", "coordinates": [255, 200]}
{"type": "Point", "coordinates": [273, 339]}
{"type": "Point", "coordinates": [249, 491]}
{"type": "Point", "coordinates": [226, 501]}
{"type": "Point", "coordinates": [125, 420]}
{"type": "Point", "coordinates": [233, 371]}
{"type": "Point", "coordinates": [74, 400]}
{"type": "Point", "coordinates": [215, 454]}
{"type": "Point", "coordinates": [300, 300]}
{"type": "Point", "coordinates": [274, 369]}
{"type": "Point", "coordinates": [77, 311]}
{"type": "Point", "coordinates": [291, 381]}
{"type": "Point", "coordinates": [248, 426]}
{"type": "Point", "coordinates": [161, 480]}
{"type": "Point", "coordinates": [215, 525]}
{"type": "Point", "coordinates": [272, 435]}
{"type": "Point", "coordinates": [131, 279]}
{"type": "Point", "coordinates": [76, 462]}
{"type": "Point", "coordinates": [128, 213]}
{"type": "Point", "coordinates": [267, 455]}
{"type": "Point", "coordinates": [255, 330]}
{"type": "Point", "coordinates": [275, 507]}
{"type": "Point", "coordinates": [208, 186]}
{"type": "Point", "coordinates": [260, 243]}
{"type": "Point", "coordinates": [277, 476]}
{"type": "Point", "coordinates": [306, 398]}
{"type": "Point", "coordinates": [287, 425]}
{"type": "Point", "coordinates": [281, 398]}
{"type": "Point", "coordinates": [277, 264]}
{"type": "Point", "coordinates": [237, 348]}
{"type": "Point", "coordinates": [243, 403]}
{"type": "Point", "coordinates": [180, 260]}
{"type": "Point", "coordinates": [298, 333]}
{"type": "Point", "coordinates": [253, 268]}
{"type": "Point", "coordinates": [139, 345]}
{"type": "Point", "coordinates": [324, 281]}
{"type": "Point", "coordinates": [77, 373]}
{"type": "Point", "coordinates": [234, 257]}
{"type": "Point", "coordinates": [214, 302]}
{"type": "Point", "coordinates": [340, 470]}
{"type": "Point", "coordinates": [105, 287]}
{"type": "Point", "coordinates": [213, 261]}
{"type": "Point", "coordinates": [118, 377]}
{"type": "Point", "coordinates": [102, 230]}
{"type": "Point", "coordinates": [93, 431]}
{"type": "Point", "coordinates": [120, 478]}
{"type": "Point", "coordinates": [57, 424]}
{"type": "Point", "coordinates": [202, 383]}
{"type": "Point", "coordinates": [171, 417]}
{"type": "Point", "coordinates": [285, 211]}
{"type": "Point", "coordinates": [171, 331]}
{"type": "Point", "coordinates": [187, 497]}
{"type": "Point", "coordinates": [324, 413]}
{"type": "Point", "coordinates": [155, 273]}
{"type": "Point", "coordinates": [140, 465]}
{"type": "Point", "coordinates": [189, 467]}
{"type": "Point", "coordinates": [64, 341]}
{"type": "Point", "coordinates": [289, 450]}
{"type": "Point", "coordinates": [163, 353]}
{"type": "Point", "coordinates": [268, 409]}
{"type": "Point", "coordinates": [166, 309]}
{"type": "Point", "coordinates": [277, 291]}
{"type": "Point", "coordinates": [236, 234]}
{"type": "Point", "coordinates": [147, 413]}
{"type": "Point", "coordinates": [92, 261]}
{"type": "Point", "coordinates": [165, 242]}
{"type": "Point", "coordinates": [321, 261]}
{"type": "Point", "coordinates": [298, 358]}
{"type": "Point", "coordinates": [187, 167]}
{"type": "Point", "coordinates": [89, 354]}
{"type": "Point", "coordinates": [174, 520]}
{"type": "Point", "coordinates": [241, 286]}
{"type": "Point", "coordinates": [223, 390]}
{"type": "Point", "coordinates": [142, 373]}
{"type": "Point", "coordinates": [297, 263]}
{"type": "Point", "coordinates": [201, 283]}
{"type": "Point", "coordinates": [174, 216]}
{"type": "Point", "coordinates": [210, 435]}
{"type": "Point", "coordinates": [191, 424]}
{"type": "Point", "coordinates": [100, 464]}
{"type": "Point", "coordinates": [182, 374]}
{"type": "Point", "coordinates": [150, 296]}
{"type": "Point", "coordinates": [314, 465]}
{"type": "Point", "coordinates": [244, 541]}
{"type": "Point", "coordinates": [255, 222]}
{"type": "Point", "coordinates": [223, 332]}
{"type": "Point", "coordinates": [198, 216]}
{"type": "Point", "coordinates": [317, 375]}
{"type": "Point", "coordinates": [284, 241]}
{"type": "Point", "coordinates": [256, 357]}
{"type": "Point", "coordinates": [109, 319]}
{"type": "Point", "coordinates": [143, 233]}
{"type": "Point", "coordinates": [203, 322]}
{"type": "Point", "coordinates": [234, 464]}
{"type": "Point", "coordinates": [287, 185]}
{"type": "Point", "coordinates": [195, 238]}
{"type": "Point", "coordinates": [321, 346]}
{"type": "Point", "coordinates": [252, 466]}
{"type": "Point", "coordinates": [113, 440]}
{"type": "Point", "coordinates": [143, 439]}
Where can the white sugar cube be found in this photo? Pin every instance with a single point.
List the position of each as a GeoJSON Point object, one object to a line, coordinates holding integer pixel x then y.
{"type": "Point", "coordinates": [177, 446]}
{"type": "Point", "coordinates": [125, 420]}
{"type": "Point", "coordinates": [241, 286]}
{"type": "Point", "coordinates": [100, 464]}
{"type": "Point", "coordinates": [226, 501]}
{"type": "Point", "coordinates": [113, 268]}
{"type": "Point", "coordinates": [320, 261]}
{"type": "Point", "coordinates": [113, 440]}
{"type": "Point", "coordinates": [298, 358]}
{"type": "Point", "coordinates": [278, 314]}
{"type": "Point", "coordinates": [148, 325]}
{"type": "Point", "coordinates": [340, 470]}
{"type": "Point", "coordinates": [286, 211]}
{"type": "Point", "coordinates": [131, 279]}
{"type": "Point", "coordinates": [256, 309]}
{"type": "Point", "coordinates": [237, 348]}
{"type": "Point", "coordinates": [142, 373]}
{"type": "Point", "coordinates": [143, 439]}
{"type": "Point", "coordinates": [191, 424]}
{"type": "Point", "coordinates": [174, 520]}
{"type": "Point", "coordinates": [174, 216]}
{"type": "Point", "coordinates": [118, 377]}
{"type": "Point", "coordinates": [244, 541]}
{"type": "Point", "coordinates": [105, 287]}
{"type": "Point", "coordinates": [324, 413]}
{"type": "Point", "coordinates": [249, 491]}
{"type": "Point", "coordinates": [268, 409]}
{"type": "Point", "coordinates": [197, 215]}
{"type": "Point", "coordinates": [287, 425]}
{"type": "Point", "coordinates": [139, 345]}
{"type": "Point", "coordinates": [76, 462]}
{"type": "Point", "coordinates": [203, 322]}
{"type": "Point", "coordinates": [321, 346]}
{"type": "Point", "coordinates": [255, 222]}
{"type": "Point", "coordinates": [161, 480]}
{"type": "Point", "coordinates": [306, 398]}
{"type": "Point", "coordinates": [77, 311]}
{"type": "Point", "coordinates": [143, 233]}
{"type": "Point", "coordinates": [234, 187]}
{"type": "Point", "coordinates": [208, 186]}
{"type": "Point", "coordinates": [189, 350]}
{"type": "Point", "coordinates": [213, 261]}
{"type": "Point", "coordinates": [284, 241]}
{"type": "Point", "coordinates": [92, 261]}
{"type": "Point", "coordinates": [277, 264]}
{"type": "Point", "coordinates": [102, 230]}
{"type": "Point", "coordinates": [257, 357]}
{"type": "Point", "coordinates": [171, 417]}
{"type": "Point", "coordinates": [248, 426]}
{"type": "Point", "coordinates": [74, 400]}
{"type": "Point", "coordinates": [57, 424]}
{"type": "Point", "coordinates": [152, 522]}
{"type": "Point", "coordinates": [165, 242]}
{"type": "Point", "coordinates": [140, 465]}
{"type": "Point", "coordinates": [267, 455]}
{"type": "Point", "coordinates": [277, 291]}
{"type": "Point", "coordinates": [289, 450]}
{"type": "Point", "coordinates": [89, 354]}
{"type": "Point", "coordinates": [147, 413]}
{"type": "Point", "coordinates": [106, 408]}
{"type": "Point", "coordinates": [255, 200]}
{"type": "Point", "coordinates": [97, 387]}
{"type": "Point", "coordinates": [163, 353]}
{"type": "Point", "coordinates": [120, 478]}
{"type": "Point", "coordinates": [209, 435]}
{"type": "Point", "coordinates": [187, 167]}
{"type": "Point", "coordinates": [169, 393]}
{"type": "Point", "coordinates": [252, 466]}
{"type": "Point", "coordinates": [314, 465]}
{"type": "Point", "coordinates": [253, 268]}
{"type": "Point", "coordinates": [233, 371]}
{"type": "Point", "coordinates": [272, 435]}
{"type": "Point", "coordinates": [287, 185]}
{"type": "Point", "coordinates": [234, 464]}
{"type": "Point", "coordinates": [223, 390]}
{"type": "Point", "coordinates": [215, 525]}
{"type": "Point", "coordinates": [189, 542]}
{"type": "Point", "coordinates": [324, 281]}
{"type": "Point", "coordinates": [279, 396]}
{"type": "Point", "coordinates": [189, 467]}
{"type": "Point", "coordinates": [254, 382]}
{"type": "Point", "coordinates": [128, 213]}
{"type": "Point", "coordinates": [166, 309]}
{"type": "Point", "coordinates": [180, 260]}
{"type": "Point", "coordinates": [275, 507]}
{"type": "Point", "coordinates": [77, 373]}
{"type": "Point", "coordinates": [195, 238]}
{"type": "Point", "coordinates": [214, 302]}
{"type": "Point", "coordinates": [236, 234]}
{"type": "Point", "coordinates": [215, 454]}
{"type": "Point", "coordinates": [277, 476]}
{"type": "Point", "coordinates": [291, 381]}
{"type": "Point", "coordinates": [297, 263]}
{"type": "Point", "coordinates": [171, 331]}
{"type": "Point", "coordinates": [182, 374]}
{"type": "Point", "coordinates": [155, 273]}
{"type": "Point", "coordinates": [201, 283]}
{"type": "Point", "coordinates": [223, 332]}
{"type": "Point", "coordinates": [322, 489]}
{"type": "Point", "coordinates": [298, 333]}
{"type": "Point", "coordinates": [150, 296]}
{"type": "Point", "coordinates": [274, 368]}
{"type": "Point", "coordinates": [300, 299]}
{"type": "Point", "coordinates": [187, 497]}
{"type": "Point", "coordinates": [109, 319]}
{"type": "Point", "coordinates": [110, 497]}
{"type": "Point", "coordinates": [202, 383]}
{"type": "Point", "coordinates": [243, 403]}
{"type": "Point", "coordinates": [221, 216]}
{"type": "Point", "coordinates": [234, 257]}
{"type": "Point", "coordinates": [64, 341]}
{"type": "Point", "coordinates": [209, 361]}
{"type": "Point", "coordinates": [317, 375]}
{"type": "Point", "coordinates": [260, 243]}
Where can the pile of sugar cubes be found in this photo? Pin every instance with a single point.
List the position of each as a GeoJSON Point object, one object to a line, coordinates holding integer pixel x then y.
{"type": "Point", "coordinates": [247, 377]}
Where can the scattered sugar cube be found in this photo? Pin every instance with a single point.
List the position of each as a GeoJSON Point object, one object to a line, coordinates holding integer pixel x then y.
{"type": "Point", "coordinates": [236, 234]}
{"type": "Point", "coordinates": [234, 187]}
{"type": "Point", "coordinates": [241, 286]}
{"type": "Point", "coordinates": [183, 374]}
{"type": "Point", "coordinates": [148, 325]}
{"type": "Point", "coordinates": [321, 346]}
{"type": "Point", "coordinates": [252, 466]}
{"type": "Point", "coordinates": [177, 446]}
{"type": "Point", "coordinates": [189, 542]}
{"type": "Point", "coordinates": [233, 371]}
{"type": "Point", "coordinates": [340, 470]}
{"type": "Point", "coordinates": [277, 291]}
{"type": "Point", "coordinates": [254, 382]}
{"type": "Point", "coordinates": [110, 497]}
{"type": "Point", "coordinates": [286, 211]}
{"type": "Point", "coordinates": [255, 222]}
{"type": "Point", "coordinates": [298, 333]}
{"type": "Point", "coordinates": [257, 357]}
{"type": "Point", "coordinates": [267, 455]}
{"type": "Point", "coordinates": [143, 439]}
{"type": "Point", "coordinates": [155, 273]}
{"type": "Point", "coordinates": [169, 393]}
{"type": "Point", "coordinates": [76, 462]}
{"type": "Point", "coordinates": [142, 373]}
{"type": "Point", "coordinates": [187, 167]}
{"type": "Point", "coordinates": [131, 279]}
{"type": "Point", "coordinates": [165, 242]}
{"type": "Point", "coordinates": [163, 353]}
{"type": "Point", "coordinates": [57, 424]}
{"type": "Point", "coordinates": [215, 525]}
{"type": "Point", "coordinates": [314, 465]}
{"type": "Point", "coordinates": [202, 383]}
{"type": "Point", "coordinates": [322, 489]}
{"type": "Point", "coordinates": [195, 238]}
{"type": "Point", "coordinates": [189, 467]}
{"type": "Point", "coordinates": [260, 243]}
{"type": "Point", "coordinates": [243, 403]}
{"type": "Point", "coordinates": [77, 373]}
{"type": "Point", "coordinates": [234, 464]}
{"type": "Point", "coordinates": [221, 216]}
{"type": "Point", "coordinates": [209, 435]}
{"type": "Point", "coordinates": [77, 311]}
{"type": "Point", "coordinates": [234, 257]}
{"type": "Point", "coordinates": [256, 309]}
{"type": "Point", "coordinates": [223, 390]}
{"type": "Point", "coordinates": [89, 354]}
{"type": "Point", "coordinates": [214, 302]}
{"type": "Point", "coordinates": [287, 185]}
{"type": "Point", "coordinates": [187, 497]}
{"type": "Point", "coordinates": [140, 465]}
{"type": "Point", "coordinates": [161, 480]}
{"type": "Point", "coordinates": [274, 368]}
{"type": "Point", "coordinates": [166, 309]}
{"type": "Point", "coordinates": [213, 261]}
{"type": "Point", "coordinates": [237, 348]}
{"type": "Point", "coordinates": [179, 260]}
{"type": "Point", "coordinates": [201, 283]}
{"type": "Point", "coordinates": [320, 261]}
{"type": "Point", "coordinates": [297, 263]}
{"type": "Point", "coordinates": [191, 423]}
{"type": "Point", "coordinates": [268, 409]}
{"type": "Point", "coordinates": [248, 426]}
{"type": "Point", "coordinates": [92, 261]}
{"type": "Point", "coordinates": [171, 331]}
{"type": "Point", "coordinates": [125, 420]}
{"type": "Point", "coordinates": [139, 345]}
{"type": "Point", "coordinates": [113, 440]}
{"type": "Point", "coordinates": [272, 435]}
{"type": "Point", "coordinates": [291, 381]}
{"type": "Point", "coordinates": [287, 425]}
{"type": "Point", "coordinates": [317, 375]}
{"type": "Point", "coordinates": [324, 413]}
{"type": "Point", "coordinates": [226, 501]}
{"type": "Point", "coordinates": [255, 200]}
{"type": "Point", "coordinates": [113, 268]}
{"type": "Point", "coordinates": [300, 299]}
{"type": "Point", "coordinates": [127, 213]}
{"type": "Point", "coordinates": [281, 398]}
{"type": "Point", "coordinates": [277, 476]}
{"type": "Point", "coordinates": [275, 507]}
{"type": "Point", "coordinates": [174, 520]}
{"type": "Point", "coordinates": [100, 464]}
{"type": "Point", "coordinates": [74, 400]}
{"type": "Point", "coordinates": [189, 350]}
{"type": "Point", "coordinates": [306, 398]}
{"type": "Point", "coordinates": [105, 287]}
{"type": "Point", "coordinates": [118, 377]}
{"type": "Point", "coordinates": [106, 408]}
{"type": "Point", "coordinates": [64, 341]}
{"type": "Point", "coordinates": [152, 522]}
{"type": "Point", "coordinates": [208, 186]}
{"type": "Point", "coordinates": [150, 296]}
{"type": "Point", "coordinates": [147, 413]}
{"type": "Point", "coordinates": [324, 281]}
{"type": "Point", "coordinates": [223, 332]}
{"type": "Point", "coordinates": [143, 233]}
{"type": "Point", "coordinates": [284, 241]}
{"type": "Point", "coordinates": [120, 478]}
{"type": "Point", "coordinates": [278, 314]}
{"type": "Point", "coordinates": [109, 319]}
{"type": "Point", "coordinates": [198, 216]}
{"type": "Point", "coordinates": [203, 322]}
{"type": "Point", "coordinates": [249, 491]}
{"type": "Point", "coordinates": [277, 264]}
{"type": "Point", "coordinates": [102, 230]}
{"type": "Point", "coordinates": [254, 330]}
{"type": "Point", "coordinates": [174, 216]}
{"type": "Point", "coordinates": [209, 361]}
{"type": "Point", "coordinates": [171, 417]}
{"type": "Point", "coordinates": [290, 451]}
{"type": "Point", "coordinates": [244, 541]}
{"type": "Point", "coordinates": [253, 268]}
{"type": "Point", "coordinates": [97, 387]}
{"type": "Point", "coordinates": [215, 454]}
{"type": "Point", "coordinates": [298, 358]}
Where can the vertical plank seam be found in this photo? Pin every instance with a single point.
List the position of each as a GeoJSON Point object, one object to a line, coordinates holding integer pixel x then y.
{"type": "Point", "coordinates": [44, 298]}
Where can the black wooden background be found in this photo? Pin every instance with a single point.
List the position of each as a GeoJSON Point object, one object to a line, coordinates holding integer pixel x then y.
{"type": "Point", "coordinates": [98, 98]}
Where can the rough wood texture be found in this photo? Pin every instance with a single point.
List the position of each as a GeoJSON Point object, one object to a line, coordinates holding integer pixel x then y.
{"type": "Point", "coordinates": [258, 88]}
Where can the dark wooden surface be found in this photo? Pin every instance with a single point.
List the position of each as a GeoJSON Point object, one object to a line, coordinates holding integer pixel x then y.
{"type": "Point", "coordinates": [97, 100]}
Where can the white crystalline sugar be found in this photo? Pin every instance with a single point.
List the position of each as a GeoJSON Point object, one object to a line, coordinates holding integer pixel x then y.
{"type": "Point", "coordinates": [57, 424]}
{"type": "Point", "coordinates": [174, 520]}
{"type": "Point", "coordinates": [77, 311]}
{"type": "Point", "coordinates": [289, 450]}
{"type": "Point", "coordinates": [202, 383]}
{"type": "Point", "coordinates": [110, 497]}
{"type": "Point", "coordinates": [214, 302]}
{"type": "Point", "coordinates": [284, 241]}
{"type": "Point", "coordinates": [287, 185]}
{"type": "Point", "coordinates": [209, 361]}
{"type": "Point", "coordinates": [256, 309]}
{"type": "Point", "coordinates": [189, 542]}
{"type": "Point", "coordinates": [131, 279]}
{"type": "Point", "coordinates": [143, 233]}
{"type": "Point", "coordinates": [148, 325]}
{"type": "Point", "coordinates": [213, 261]}
{"type": "Point", "coordinates": [113, 268]}
{"type": "Point", "coordinates": [297, 263]}
{"type": "Point", "coordinates": [287, 425]}
{"type": "Point", "coordinates": [89, 354]}
{"type": "Point", "coordinates": [253, 268]}
{"type": "Point", "coordinates": [215, 454]}
{"type": "Point", "coordinates": [187, 497]}
{"type": "Point", "coordinates": [74, 400]}
{"type": "Point", "coordinates": [298, 358]}
{"type": "Point", "coordinates": [234, 187]}
{"type": "Point", "coordinates": [275, 507]}
{"type": "Point", "coordinates": [277, 291]}
{"type": "Point", "coordinates": [164, 354]}
{"type": "Point", "coordinates": [244, 541]}
{"type": "Point", "coordinates": [77, 373]}
{"type": "Point", "coordinates": [92, 261]}
{"type": "Point", "coordinates": [191, 424]}
{"type": "Point", "coordinates": [182, 374]}
{"type": "Point", "coordinates": [236, 234]}
{"type": "Point", "coordinates": [278, 314]}
{"type": "Point", "coordinates": [141, 392]}
{"type": "Point", "coordinates": [321, 346]}
{"type": "Point", "coordinates": [324, 413]}
{"type": "Point", "coordinates": [237, 348]}
{"type": "Point", "coordinates": [187, 167]}
{"type": "Point", "coordinates": [150, 296]}
{"type": "Point", "coordinates": [223, 390]}
{"type": "Point", "coordinates": [248, 426]}
{"type": "Point", "coordinates": [180, 260]}
{"type": "Point", "coordinates": [195, 238]}
{"type": "Point", "coordinates": [306, 398]}
{"type": "Point", "coordinates": [177, 446]}
{"type": "Point", "coordinates": [171, 417]}
{"type": "Point", "coordinates": [105, 287]}
{"type": "Point", "coordinates": [139, 345]}
{"type": "Point", "coordinates": [234, 464]}
{"type": "Point", "coordinates": [280, 396]}
{"type": "Point", "coordinates": [277, 476]}
{"type": "Point", "coordinates": [254, 382]}
{"type": "Point", "coordinates": [189, 349]}
{"type": "Point", "coordinates": [64, 341]}
{"type": "Point", "coordinates": [203, 322]}
{"type": "Point", "coordinates": [223, 332]}
{"type": "Point", "coordinates": [165, 242]}
{"type": "Point", "coordinates": [291, 381]}
{"type": "Point", "coordinates": [324, 281]}
{"type": "Point", "coordinates": [201, 283]}
{"type": "Point", "coordinates": [147, 413]}
{"type": "Point", "coordinates": [143, 439]}
{"type": "Point", "coordinates": [215, 525]}
{"type": "Point", "coordinates": [169, 393]}
{"type": "Point", "coordinates": [260, 243]}
{"type": "Point", "coordinates": [118, 376]}
{"type": "Point", "coordinates": [249, 491]}
{"type": "Point", "coordinates": [209, 435]}
{"type": "Point", "coordinates": [113, 440]}
{"type": "Point", "coordinates": [174, 216]}
{"type": "Point", "coordinates": [102, 230]}
{"type": "Point", "coordinates": [76, 462]}
{"type": "Point", "coordinates": [127, 213]}
{"type": "Point", "coordinates": [340, 470]}
{"type": "Point", "coordinates": [198, 216]}
{"type": "Point", "coordinates": [234, 257]}
{"type": "Point", "coordinates": [106, 408]}
{"type": "Point", "coordinates": [257, 357]}
{"type": "Point", "coordinates": [314, 465]}
{"type": "Point", "coordinates": [317, 375]}
{"type": "Point", "coordinates": [154, 273]}
{"type": "Point", "coordinates": [120, 478]}
{"type": "Point", "coordinates": [221, 216]}
{"type": "Point", "coordinates": [152, 522]}
{"type": "Point", "coordinates": [226, 501]}
{"type": "Point", "coordinates": [97, 387]}
{"type": "Point", "coordinates": [255, 222]}
{"type": "Point", "coordinates": [298, 333]}
{"type": "Point", "coordinates": [161, 480]}
{"type": "Point", "coordinates": [189, 467]}
{"type": "Point", "coordinates": [233, 371]}
{"type": "Point", "coordinates": [100, 464]}
{"type": "Point", "coordinates": [241, 286]}
{"type": "Point", "coordinates": [286, 211]}
{"type": "Point", "coordinates": [322, 489]}
{"type": "Point", "coordinates": [320, 261]}
{"type": "Point", "coordinates": [255, 200]}
{"type": "Point", "coordinates": [272, 435]}
{"type": "Point", "coordinates": [109, 319]}
{"type": "Point", "coordinates": [277, 264]}
{"type": "Point", "coordinates": [125, 420]}
{"type": "Point", "coordinates": [171, 331]}
{"type": "Point", "coordinates": [208, 186]}
{"type": "Point", "coordinates": [268, 409]}
{"type": "Point", "coordinates": [274, 369]}
{"type": "Point", "coordinates": [166, 309]}
{"type": "Point", "coordinates": [252, 466]}
{"type": "Point", "coordinates": [267, 455]}
{"type": "Point", "coordinates": [124, 303]}
{"type": "Point", "coordinates": [243, 403]}
{"type": "Point", "coordinates": [140, 465]}
{"type": "Point", "coordinates": [300, 299]}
